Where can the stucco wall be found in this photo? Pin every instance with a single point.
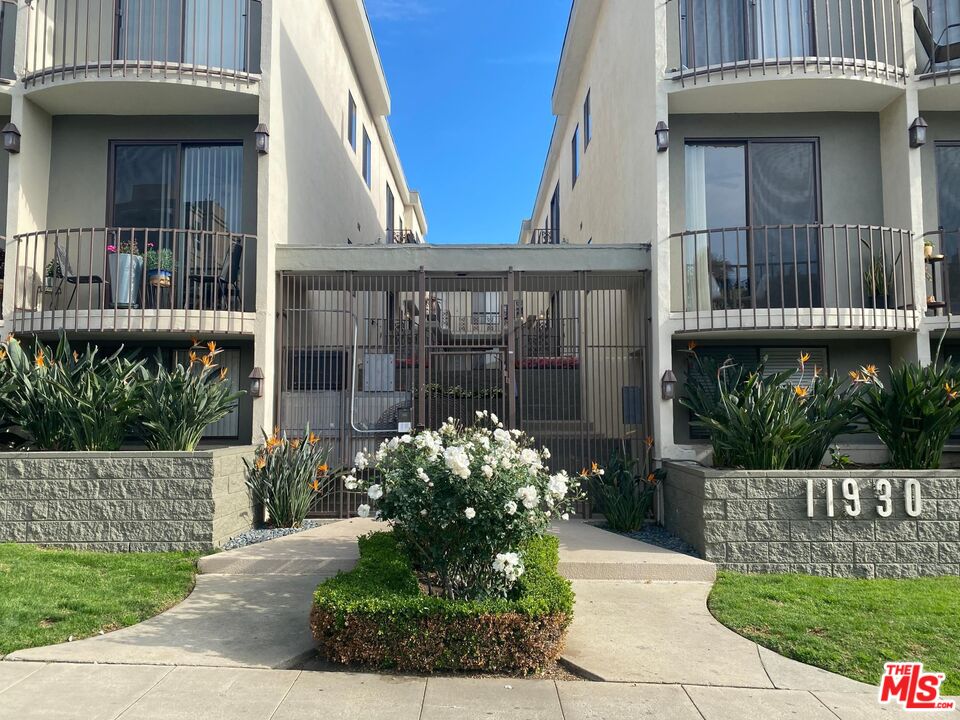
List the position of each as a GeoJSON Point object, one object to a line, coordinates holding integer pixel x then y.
{"type": "Point", "coordinates": [758, 521]}
{"type": "Point", "coordinates": [125, 501]}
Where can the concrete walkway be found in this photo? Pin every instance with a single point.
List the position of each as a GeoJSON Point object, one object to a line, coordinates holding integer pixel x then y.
{"type": "Point", "coordinates": [641, 627]}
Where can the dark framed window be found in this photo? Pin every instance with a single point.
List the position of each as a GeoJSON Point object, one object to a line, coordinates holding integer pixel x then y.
{"type": "Point", "coordinates": [948, 214]}
{"type": "Point", "coordinates": [391, 209]}
{"type": "Point", "coordinates": [352, 121]}
{"type": "Point", "coordinates": [575, 155]}
{"type": "Point", "coordinates": [367, 152]}
{"type": "Point", "coordinates": [554, 217]}
{"type": "Point", "coordinates": [587, 118]}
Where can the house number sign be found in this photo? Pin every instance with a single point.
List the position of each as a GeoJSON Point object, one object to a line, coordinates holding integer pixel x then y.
{"type": "Point", "coordinates": [851, 503]}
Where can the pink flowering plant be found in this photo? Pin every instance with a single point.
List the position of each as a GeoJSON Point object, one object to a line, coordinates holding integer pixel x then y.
{"type": "Point", "coordinates": [125, 247]}
{"type": "Point", "coordinates": [463, 501]}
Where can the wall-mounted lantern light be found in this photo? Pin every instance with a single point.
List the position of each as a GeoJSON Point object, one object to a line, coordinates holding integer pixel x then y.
{"type": "Point", "coordinates": [263, 138]}
{"type": "Point", "coordinates": [11, 138]}
{"type": "Point", "coordinates": [663, 136]}
{"type": "Point", "coordinates": [918, 133]}
{"type": "Point", "coordinates": [256, 383]}
{"type": "Point", "coordinates": [668, 385]}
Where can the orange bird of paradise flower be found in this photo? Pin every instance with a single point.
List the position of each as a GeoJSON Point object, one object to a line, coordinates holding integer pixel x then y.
{"type": "Point", "coordinates": [800, 391]}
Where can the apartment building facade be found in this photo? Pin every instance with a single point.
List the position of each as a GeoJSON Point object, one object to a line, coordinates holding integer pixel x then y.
{"type": "Point", "coordinates": [162, 153]}
{"type": "Point", "coordinates": [788, 160]}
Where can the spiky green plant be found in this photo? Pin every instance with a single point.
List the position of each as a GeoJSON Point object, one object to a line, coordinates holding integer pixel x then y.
{"type": "Point", "coordinates": [67, 400]}
{"type": "Point", "coordinates": [286, 475]}
{"type": "Point", "coordinates": [624, 492]}
{"type": "Point", "coordinates": [915, 413]}
{"type": "Point", "coordinates": [176, 406]}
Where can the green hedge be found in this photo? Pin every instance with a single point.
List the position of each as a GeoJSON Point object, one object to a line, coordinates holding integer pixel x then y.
{"type": "Point", "coordinates": [377, 615]}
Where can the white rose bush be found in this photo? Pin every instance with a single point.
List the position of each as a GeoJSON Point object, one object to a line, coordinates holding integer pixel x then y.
{"type": "Point", "coordinates": [463, 501]}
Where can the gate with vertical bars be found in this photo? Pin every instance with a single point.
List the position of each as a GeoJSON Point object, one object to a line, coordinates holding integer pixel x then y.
{"type": "Point", "coordinates": [365, 355]}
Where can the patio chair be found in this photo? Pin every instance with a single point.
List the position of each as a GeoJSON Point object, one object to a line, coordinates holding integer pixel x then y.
{"type": "Point", "coordinates": [65, 274]}
{"type": "Point", "coordinates": [937, 51]}
{"type": "Point", "coordinates": [219, 285]}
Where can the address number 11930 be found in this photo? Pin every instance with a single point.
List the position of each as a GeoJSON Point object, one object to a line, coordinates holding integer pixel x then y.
{"type": "Point", "coordinates": [852, 504]}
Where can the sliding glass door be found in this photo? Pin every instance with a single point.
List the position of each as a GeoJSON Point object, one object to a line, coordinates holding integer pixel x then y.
{"type": "Point", "coordinates": [751, 205]}
{"type": "Point", "coordinates": [948, 205]}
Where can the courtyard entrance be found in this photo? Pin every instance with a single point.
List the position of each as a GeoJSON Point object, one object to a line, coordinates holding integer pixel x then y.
{"type": "Point", "coordinates": [366, 355]}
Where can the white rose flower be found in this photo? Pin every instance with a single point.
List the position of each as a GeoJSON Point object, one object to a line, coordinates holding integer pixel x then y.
{"type": "Point", "coordinates": [494, 418]}
{"type": "Point", "coordinates": [546, 453]}
{"type": "Point", "coordinates": [406, 439]}
{"type": "Point", "coordinates": [479, 414]}
{"type": "Point", "coordinates": [501, 436]}
{"type": "Point", "coordinates": [457, 459]}
{"type": "Point", "coordinates": [375, 492]}
{"type": "Point", "coordinates": [350, 482]}
{"type": "Point", "coordinates": [509, 565]}
{"type": "Point", "coordinates": [361, 460]}
{"type": "Point", "coordinates": [363, 511]}
{"type": "Point", "coordinates": [558, 485]}
{"type": "Point", "coordinates": [530, 458]}
{"type": "Point", "coordinates": [528, 496]}
{"type": "Point", "coordinates": [470, 513]}
{"type": "Point", "coordinates": [510, 508]}
{"type": "Point", "coordinates": [423, 512]}
{"type": "Point", "coordinates": [487, 471]}
{"type": "Point", "coordinates": [565, 516]}
{"type": "Point", "coordinates": [422, 475]}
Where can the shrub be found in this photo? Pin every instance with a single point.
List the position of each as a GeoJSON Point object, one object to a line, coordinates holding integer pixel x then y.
{"type": "Point", "coordinates": [176, 406]}
{"type": "Point", "coordinates": [463, 500]}
{"type": "Point", "coordinates": [624, 491]}
{"type": "Point", "coordinates": [286, 476]}
{"type": "Point", "coordinates": [66, 400]}
{"type": "Point", "coordinates": [915, 415]}
{"type": "Point", "coordinates": [377, 615]}
{"type": "Point", "coordinates": [775, 421]}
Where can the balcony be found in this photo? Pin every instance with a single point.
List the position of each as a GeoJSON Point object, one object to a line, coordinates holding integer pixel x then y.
{"type": "Point", "coordinates": [775, 40]}
{"type": "Point", "coordinates": [937, 27]}
{"type": "Point", "coordinates": [402, 237]}
{"type": "Point", "coordinates": [544, 236]}
{"type": "Point", "coordinates": [942, 260]}
{"type": "Point", "coordinates": [212, 43]}
{"type": "Point", "coordinates": [794, 277]}
{"type": "Point", "coordinates": [134, 280]}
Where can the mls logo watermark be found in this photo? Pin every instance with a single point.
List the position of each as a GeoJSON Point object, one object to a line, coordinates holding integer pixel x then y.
{"type": "Point", "coordinates": [907, 684]}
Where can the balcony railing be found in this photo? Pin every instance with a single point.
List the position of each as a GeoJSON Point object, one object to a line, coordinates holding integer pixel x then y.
{"type": "Point", "coordinates": [795, 276]}
{"type": "Point", "coordinates": [937, 26]}
{"type": "Point", "coordinates": [133, 279]}
{"type": "Point", "coordinates": [545, 236]}
{"type": "Point", "coordinates": [943, 271]}
{"type": "Point", "coordinates": [216, 39]}
{"type": "Point", "coordinates": [402, 237]}
{"type": "Point", "coordinates": [782, 37]}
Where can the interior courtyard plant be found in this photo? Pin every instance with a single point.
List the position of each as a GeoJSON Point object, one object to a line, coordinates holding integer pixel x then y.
{"type": "Point", "coordinates": [287, 474]}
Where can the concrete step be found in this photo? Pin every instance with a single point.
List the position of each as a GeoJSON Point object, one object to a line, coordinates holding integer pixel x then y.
{"type": "Point", "coordinates": [588, 552]}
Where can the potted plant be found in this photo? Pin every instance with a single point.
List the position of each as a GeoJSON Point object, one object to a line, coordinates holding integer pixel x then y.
{"type": "Point", "coordinates": [159, 265]}
{"type": "Point", "coordinates": [51, 272]}
{"type": "Point", "coordinates": [876, 285]}
{"type": "Point", "coordinates": [126, 272]}
{"type": "Point", "coordinates": [927, 248]}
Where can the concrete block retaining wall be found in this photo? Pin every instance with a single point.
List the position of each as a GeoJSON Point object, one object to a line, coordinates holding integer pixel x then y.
{"type": "Point", "coordinates": [884, 523]}
{"type": "Point", "coordinates": [125, 501]}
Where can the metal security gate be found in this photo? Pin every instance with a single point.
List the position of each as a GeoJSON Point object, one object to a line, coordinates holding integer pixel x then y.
{"type": "Point", "coordinates": [365, 356]}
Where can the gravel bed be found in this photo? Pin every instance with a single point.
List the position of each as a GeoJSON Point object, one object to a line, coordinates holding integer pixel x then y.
{"type": "Point", "coordinates": [252, 537]}
{"type": "Point", "coordinates": [656, 535]}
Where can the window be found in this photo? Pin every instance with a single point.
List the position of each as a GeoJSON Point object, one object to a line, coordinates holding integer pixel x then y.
{"type": "Point", "coordinates": [750, 188]}
{"type": "Point", "coordinates": [948, 207]}
{"type": "Point", "coordinates": [575, 155]}
{"type": "Point", "coordinates": [390, 212]}
{"type": "Point", "coordinates": [367, 152]}
{"type": "Point", "coordinates": [352, 121]}
{"type": "Point", "coordinates": [587, 130]}
{"type": "Point", "coordinates": [554, 219]}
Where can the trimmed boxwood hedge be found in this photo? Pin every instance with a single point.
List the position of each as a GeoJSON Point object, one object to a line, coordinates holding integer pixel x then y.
{"type": "Point", "coordinates": [376, 615]}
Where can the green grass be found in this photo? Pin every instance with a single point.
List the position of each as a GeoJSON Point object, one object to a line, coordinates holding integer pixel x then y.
{"type": "Point", "coordinates": [850, 627]}
{"type": "Point", "coordinates": [46, 596]}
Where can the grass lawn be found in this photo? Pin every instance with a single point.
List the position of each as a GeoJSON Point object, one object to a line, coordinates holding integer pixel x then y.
{"type": "Point", "coordinates": [48, 595]}
{"type": "Point", "coordinates": [850, 627]}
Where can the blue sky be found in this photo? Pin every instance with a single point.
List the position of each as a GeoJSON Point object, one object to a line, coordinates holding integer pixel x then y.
{"type": "Point", "coordinates": [470, 82]}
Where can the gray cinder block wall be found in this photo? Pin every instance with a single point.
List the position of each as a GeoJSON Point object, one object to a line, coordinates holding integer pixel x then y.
{"type": "Point", "coordinates": [758, 521]}
{"type": "Point", "coordinates": [125, 501]}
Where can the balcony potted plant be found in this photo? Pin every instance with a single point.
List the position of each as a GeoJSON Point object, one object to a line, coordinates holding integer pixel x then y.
{"type": "Point", "coordinates": [159, 264]}
{"type": "Point", "coordinates": [126, 272]}
{"type": "Point", "coordinates": [927, 249]}
{"type": "Point", "coordinates": [877, 283]}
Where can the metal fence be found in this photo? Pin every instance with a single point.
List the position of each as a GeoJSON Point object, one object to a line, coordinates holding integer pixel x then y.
{"type": "Point", "coordinates": [219, 39]}
{"type": "Point", "coordinates": [773, 37]}
{"type": "Point", "coordinates": [363, 357]}
{"type": "Point", "coordinates": [133, 279]}
{"type": "Point", "coordinates": [795, 276]}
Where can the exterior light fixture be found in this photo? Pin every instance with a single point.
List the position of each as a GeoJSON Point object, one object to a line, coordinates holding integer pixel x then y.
{"type": "Point", "coordinates": [256, 383]}
{"type": "Point", "coordinates": [918, 133]}
{"type": "Point", "coordinates": [663, 136]}
{"type": "Point", "coordinates": [668, 385]}
{"type": "Point", "coordinates": [11, 138]}
{"type": "Point", "coordinates": [263, 139]}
